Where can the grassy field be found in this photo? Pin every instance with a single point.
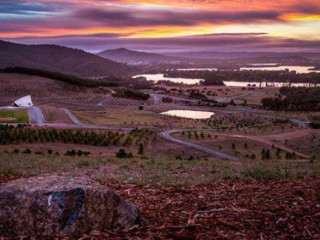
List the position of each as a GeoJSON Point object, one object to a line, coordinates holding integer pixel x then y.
{"type": "Point", "coordinates": [14, 116]}
{"type": "Point", "coordinates": [156, 171]}
{"type": "Point", "coordinates": [119, 117]}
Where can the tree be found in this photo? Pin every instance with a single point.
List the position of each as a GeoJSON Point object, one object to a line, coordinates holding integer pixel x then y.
{"type": "Point", "coordinates": [27, 151]}
{"type": "Point", "coordinates": [141, 149]}
{"type": "Point", "coordinates": [268, 155]}
{"type": "Point", "coordinates": [246, 145]}
{"type": "Point", "coordinates": [263, 154]}
{"type": "Point", "coordinates": [123, 154]}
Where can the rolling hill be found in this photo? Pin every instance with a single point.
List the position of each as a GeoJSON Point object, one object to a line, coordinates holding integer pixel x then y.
{"type": "Point", "coordinates": [128, 56]}
{"type": "Point", "coordinates": [60, 59]}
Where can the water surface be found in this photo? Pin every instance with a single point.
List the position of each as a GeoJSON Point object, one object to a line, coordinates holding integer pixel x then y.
{"type": "Point", "coordinates": [159, 77]}
{"type": "Point", "coordinates": [270, 84]}
{"type": "Point", "coordinates": [298, 69]}
{"type": "Point", "coordinates": [189, 114]}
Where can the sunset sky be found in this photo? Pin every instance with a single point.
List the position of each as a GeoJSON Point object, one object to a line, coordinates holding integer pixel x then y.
{"type": "Point", "coordinates": [165, 25]}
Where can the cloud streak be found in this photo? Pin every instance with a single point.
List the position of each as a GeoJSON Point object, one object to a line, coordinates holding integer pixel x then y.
{"type": "Point", "coordinates": [97, 23]}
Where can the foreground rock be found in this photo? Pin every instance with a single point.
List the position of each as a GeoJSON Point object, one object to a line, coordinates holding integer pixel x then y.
{"type": "Point", "coordinates": [57, 206]}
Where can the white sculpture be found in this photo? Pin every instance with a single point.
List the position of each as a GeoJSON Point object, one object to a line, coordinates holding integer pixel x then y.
{"type": "Point", "coordinates": [23, 102]}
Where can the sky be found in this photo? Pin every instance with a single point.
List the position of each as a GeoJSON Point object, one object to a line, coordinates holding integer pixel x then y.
{"type": "Point", "coordinates": [165, 25]}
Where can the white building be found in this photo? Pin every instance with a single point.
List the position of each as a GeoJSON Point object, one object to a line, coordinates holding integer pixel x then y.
{"type": "Point", "coordinates": [23, 102]}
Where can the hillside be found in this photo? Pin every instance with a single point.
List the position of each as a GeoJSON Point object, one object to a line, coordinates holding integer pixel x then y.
{"type": "Point", "coordinates": [59, 59]}
{"type": "Point", "coordinates": [128, 56]}
{"type": "Point", "coordinates": [243, 55]}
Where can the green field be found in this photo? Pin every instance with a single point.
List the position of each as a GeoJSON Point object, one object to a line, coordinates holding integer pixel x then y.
{"type": "Point", "coordinates": [14, 116]}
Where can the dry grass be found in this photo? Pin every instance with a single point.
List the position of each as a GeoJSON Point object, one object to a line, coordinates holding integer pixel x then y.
{"type": "Point", "coordinates": [157, 170]}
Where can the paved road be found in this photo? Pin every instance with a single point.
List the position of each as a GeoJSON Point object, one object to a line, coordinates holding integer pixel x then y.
{"type": "Point", "coordinates": [72, 117]}
{"type": "Point", "coordinates": [167, 136]}
{"type": "Point", "coordinates": [108, 97]}
{"type": "Point", "coordinates": [36, 115]}
{"type": "Point", "coordinates": [84, 126]}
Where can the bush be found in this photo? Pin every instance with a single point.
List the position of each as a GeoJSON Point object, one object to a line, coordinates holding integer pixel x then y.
{"type": "Point", "coordinates": [71, 153]}
{"type": "Point", "coordinates": [123, 154]}
{"type": "Point", "coordinates": [141, 149]}
{"type": "Point", "coordinates": [50, 151]}
{"type": "Point", "coordinates": [315, 124]}
{"type": "Point", "coordinates": [79, 153]}
{"type": "Point", "coordinates": [126, 93]}
{"type": "Point", "coordinates": [27, 151]}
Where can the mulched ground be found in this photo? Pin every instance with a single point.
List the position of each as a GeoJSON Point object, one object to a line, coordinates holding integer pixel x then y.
{"type": "Point", "coordinates": [228, 210]}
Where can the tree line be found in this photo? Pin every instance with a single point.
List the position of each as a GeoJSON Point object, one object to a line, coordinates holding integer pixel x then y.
{"type": "Point", "coordinates": [296, 99]}
{"type": "Point", "coordinates": [91, 83]}
{"type": "Point", "coordinates": [218, 77]}
{"type": "Point", "coordinates": [134, 94]}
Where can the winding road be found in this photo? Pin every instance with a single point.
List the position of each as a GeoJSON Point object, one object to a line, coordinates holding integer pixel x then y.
{"type": "Point", "coordinates": [167, 136]}
{"type": "Point", "coordinates": [37, 118]}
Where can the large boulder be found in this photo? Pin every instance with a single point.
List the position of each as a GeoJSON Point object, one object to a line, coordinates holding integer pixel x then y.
{"type": "Point", "coordinates": [52, 205]}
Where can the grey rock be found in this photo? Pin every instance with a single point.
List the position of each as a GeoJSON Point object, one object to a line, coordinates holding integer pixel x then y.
{"type": "Point", "coordinates": [52, 205]}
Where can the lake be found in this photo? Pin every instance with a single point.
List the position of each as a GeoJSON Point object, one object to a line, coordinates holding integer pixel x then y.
{"type": "Point", "coordinates": [263, 84]}
{"type": "Point", "coordinates": [189, 114]}
{"type": "Point", "coordinates": [198, 69]}
{"type": "Point", "coordinates": [159, 77]}
{"type": "Point", "coordinates": [298, 69]}
{"type": "Point", "coordinates": [266, 67]}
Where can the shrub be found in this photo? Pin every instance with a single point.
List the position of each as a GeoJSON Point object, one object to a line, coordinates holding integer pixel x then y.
{"type": "Point", "coordinates": [27, 151]}
{"type": "Point", "coordinates": [79, 153]}
{"type": "Point", "coordinates": [123, 154]}
{"type": "Point", "coordinates": [141, 149]}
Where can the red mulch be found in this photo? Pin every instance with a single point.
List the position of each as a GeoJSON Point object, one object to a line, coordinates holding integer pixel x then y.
{"type": "Point", "coordinates": [228, 210]}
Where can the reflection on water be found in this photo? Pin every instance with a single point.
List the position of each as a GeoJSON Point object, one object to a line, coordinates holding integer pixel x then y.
{"type": "Point", "coordinates": [270, 84]}
{"type": "Point", "coordinates": [189, 114]}
{"type": "Point", "coordinates": [263, 64]}
{"type": "Point", "coordinates": [159, 77]}
{"type": "Point", "coordinates": [198, 69]}
{"type": "Point", "coordinates": [265, 67]}
{"type": "Point", "coordinates": [298, 69]}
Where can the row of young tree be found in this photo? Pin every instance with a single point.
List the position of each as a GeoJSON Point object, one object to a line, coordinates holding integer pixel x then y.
{"type": "Point", "coordinates": [13, 135]}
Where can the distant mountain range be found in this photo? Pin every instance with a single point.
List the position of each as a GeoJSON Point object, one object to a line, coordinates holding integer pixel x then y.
{"type": "Point", "coordinates": [60, 59]}
{"type": "Point", "coordinates": [238, 55]}
{"type": "Point", "coordinates": [135, 57]}
{"type": "Point", "coordinates": [129, 56]}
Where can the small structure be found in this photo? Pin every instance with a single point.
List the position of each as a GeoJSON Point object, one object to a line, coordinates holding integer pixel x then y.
{"type": "Point", "coordinates": [23, 102]}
